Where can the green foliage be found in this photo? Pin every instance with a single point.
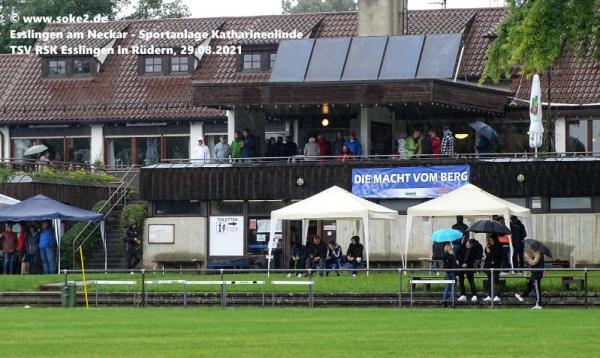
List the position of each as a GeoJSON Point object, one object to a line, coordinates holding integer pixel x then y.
{"type": "Point", "coordinates": [159, 9]}
{"type": "Point", "coordinates": [134, 212]}
{"type": "Point", "coordinates": [66, 249]}
{"type": "Point", "coordinates": [535, 34]}
{"type": "Point", "coordinates": [75, 176]}
{"type": "Point", "coordinates": [307, 6]}
{"type": "Point", "coordinates": [5, 173]}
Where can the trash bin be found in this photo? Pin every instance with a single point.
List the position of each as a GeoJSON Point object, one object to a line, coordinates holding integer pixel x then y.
{"type": "Point", "coordinates": [68, 295]}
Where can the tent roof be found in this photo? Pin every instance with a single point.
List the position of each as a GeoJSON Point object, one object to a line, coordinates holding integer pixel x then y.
{"type": "Point", "coordinates": [334, 203]}
{"type": "Point", "coordinates": [468, 200]}
{"type": "Point", "coordinates": [41, 208]}
{"type": "Point", "coordinates": [7, 200]}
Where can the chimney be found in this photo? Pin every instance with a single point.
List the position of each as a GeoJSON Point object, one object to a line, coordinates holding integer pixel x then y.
{"type": "Point", "coordinates": [382, 17]}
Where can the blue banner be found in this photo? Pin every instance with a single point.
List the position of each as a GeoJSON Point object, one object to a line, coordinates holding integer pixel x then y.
{"type": "Point", "coordinates": [408, 182]}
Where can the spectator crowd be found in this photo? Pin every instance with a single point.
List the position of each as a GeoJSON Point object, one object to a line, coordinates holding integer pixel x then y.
{"type": "Point", "coordinates": [30, 250]}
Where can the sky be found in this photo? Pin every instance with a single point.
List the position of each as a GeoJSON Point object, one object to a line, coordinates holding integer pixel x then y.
{"type": "Point", "coordinates": [211, 8]}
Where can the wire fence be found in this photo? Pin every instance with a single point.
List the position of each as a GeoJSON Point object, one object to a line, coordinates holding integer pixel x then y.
{"type": "Point", "coordinates": [346, 286]}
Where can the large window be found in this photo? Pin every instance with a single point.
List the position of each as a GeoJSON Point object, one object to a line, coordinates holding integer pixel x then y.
{"type": "Point", "coordinates": [153, 65]}
{"type": "Point", "coordinates": [78, 150]}
{"type": "Point", "coordinates": [181, 207]}
{"type": "Point", "coordinates": [596, 136]}
{"type": "Point", "coordinates": [148, 151]}
{"type": "Point", "coordinates": [578, 136]}
{"type": "Point", "coordinates": [178, 147]}
{"type": "Point", "coordinates": [571, 203]}
{"type": "Point", "coordinates": [179, 64]}
{"type": "Point", "coordinates": [119, 151]}
{"type": "Point", "coordinates": [57, 67]}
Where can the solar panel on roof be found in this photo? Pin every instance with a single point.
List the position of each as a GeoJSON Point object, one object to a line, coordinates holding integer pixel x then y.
{"type": "Point", "coordinates": [327, 60]}
{"type": "Point", "coordinates": [364, 58]}
{"type": "Point", "coordinates": [439, 56]}
{"type": "Point", "coordinates": [401, 58]}
{"type": "Point", "coordinates": [292, 60]}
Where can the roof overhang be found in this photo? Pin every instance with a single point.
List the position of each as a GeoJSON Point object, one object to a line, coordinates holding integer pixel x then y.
{"type": "Point", "coordinates": [461, 95]}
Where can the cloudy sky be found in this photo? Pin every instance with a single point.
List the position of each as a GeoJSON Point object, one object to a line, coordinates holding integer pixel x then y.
{"type": "Point", "coordinates": [209, 8]}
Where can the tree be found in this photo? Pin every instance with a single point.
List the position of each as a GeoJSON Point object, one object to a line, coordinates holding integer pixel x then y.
{"type": "Point", "coordinates": [535, 34]}
{"type": "Point", "coordinates": [305, 6]}
{"type": "Point", "coordinates": [159, 9]}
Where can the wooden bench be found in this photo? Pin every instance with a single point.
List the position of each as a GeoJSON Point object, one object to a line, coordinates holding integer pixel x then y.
{"type": "Point", "coordinates": [567, 281]}
{"type": "Point", "coordinates": [196, 263]}
{"type": "Point", "coordinates": [414, 282]}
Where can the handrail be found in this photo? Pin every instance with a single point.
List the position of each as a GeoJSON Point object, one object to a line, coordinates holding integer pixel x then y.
{"type": "Point", "coordinates": [121, 192]}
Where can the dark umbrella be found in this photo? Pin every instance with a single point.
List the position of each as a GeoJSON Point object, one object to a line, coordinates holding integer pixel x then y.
{"type": "Point", "coordinates": [489, 227]}
{"type": "Point", "coordinates": [538, 246]}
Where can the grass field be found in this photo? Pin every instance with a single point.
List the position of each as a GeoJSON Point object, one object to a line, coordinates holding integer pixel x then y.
{"type": "Point", "coordinates": [280, 332]}
{"type": "Point", "coordinates": [376, 282]}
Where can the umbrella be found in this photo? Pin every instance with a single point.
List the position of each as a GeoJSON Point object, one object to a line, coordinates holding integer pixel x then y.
{"type": "Point", "coordinates": [485, 130]}
{"type": "Point", "coordinates": [538, 246]}
{"type": "Point", "coordinates": [36, 149]}
{"type": "Point", "coordinates": [536, 130]}
{"type": "Point", "coordinates": [489, 227]}
{"type": "Point", "coordinates": [446, 235]}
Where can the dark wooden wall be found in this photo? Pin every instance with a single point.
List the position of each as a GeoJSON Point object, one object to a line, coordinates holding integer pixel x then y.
{"type": "Point", "coordinates": [278, 181]}
{"type": "Point", "coordinates": [76, 195]}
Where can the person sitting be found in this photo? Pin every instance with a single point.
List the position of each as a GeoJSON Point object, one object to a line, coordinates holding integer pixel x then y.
{"type": "Point", "coordinates": [467, 256]}
{"type": "Point", "coordinates": [334, 256]}
{"type": "Point", "coordinates": [296, 257]}
{"type": "Point", "coordinates": [317, 255]}
{"type": "Point", "coordinates": [354, 255]}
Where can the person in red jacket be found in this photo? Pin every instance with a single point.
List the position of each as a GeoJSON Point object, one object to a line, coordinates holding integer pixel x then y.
{"type": "Point", "coordinates": [9, 247]}
{"type": "Point", "coordinates": [436, 143]}
{"type": "Point", "coordinates": [324, 146]}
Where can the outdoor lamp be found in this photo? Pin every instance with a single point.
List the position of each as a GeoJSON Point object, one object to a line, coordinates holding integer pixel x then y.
{"type": "Point", "coordinates": [300, 182]}
{"type": "Point", "coordinates": [325, 122]}
{"type": "Point", "coordinates": [325, 108]}
{"type": "Point", "coordinates": [520, 178]}
{"type": "Point", "coordinates": [461, 135]}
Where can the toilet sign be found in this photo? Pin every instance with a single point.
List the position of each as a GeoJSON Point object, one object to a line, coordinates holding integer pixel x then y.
{"type": "Point", "coordinates": [226, 236]}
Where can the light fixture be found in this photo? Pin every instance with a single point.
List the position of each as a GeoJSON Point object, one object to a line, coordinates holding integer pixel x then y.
{"type": "Point", "coordinates": [325, 122]}
{"type": "Point", "coordinates": [300, 182]}
{"type": "Point", "coordinates": [325, 108]}
{"type": "Point", "coordinates": [520, 178]}
{"type": "Point", "coordinates": [461, 135]}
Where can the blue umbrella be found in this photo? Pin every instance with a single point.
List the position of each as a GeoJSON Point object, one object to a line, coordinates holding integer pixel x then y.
{"type": "Point", "coordinates": [446, 235]}
{"type": "Point", "coordinates": [485, 130]}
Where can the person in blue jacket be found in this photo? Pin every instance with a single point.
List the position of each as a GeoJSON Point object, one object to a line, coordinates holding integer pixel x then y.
{"type": "Point", "coordinates": [47, 248]}
{"type": "Point", "coordinates": [249, 144]}
{"type": "Point", "coordinates": [353, 144]}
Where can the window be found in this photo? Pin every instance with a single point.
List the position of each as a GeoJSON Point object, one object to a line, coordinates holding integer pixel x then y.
{"type": "Point", "coordinates": [148, 151]}
{"type": "Point", "coordinates": [570, 203]}
{"type": "Point", "coordinates": [252, 61]}
{"type": "Point", "coordinates": [596, 136]}
{"type": "Point", "coordinates": [179, 64]}
{"type": "Point", "coordinates": [578, 136]}
{"type": "Point", "coordinates": [226, 208]}
{"type": "Point", "coordinates": [178, 147]}
{"type": "Point", "coordinates": [79, 150]}
{"type": "Point", "coordinates": [153, 65]}
{"type": "Point", "coordinates": [119, 151]}
{"type": "Point", "coordinates": [518, 201]}
{"type": "Point", "coordinates": [181, 207]}
{"type": "Point", "coordinates": [272, 58]}
{"type": "Point", "coordinates": [57, 68]}
{"type": "Point", "coordinates": [81, 66]}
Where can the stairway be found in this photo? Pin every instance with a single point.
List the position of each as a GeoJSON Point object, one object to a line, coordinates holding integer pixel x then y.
{"type": "Point", "coordinates": [114, 245]}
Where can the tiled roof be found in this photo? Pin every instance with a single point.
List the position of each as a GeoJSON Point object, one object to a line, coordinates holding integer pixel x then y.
{"type": "Point", "coordinates": [439, 21]}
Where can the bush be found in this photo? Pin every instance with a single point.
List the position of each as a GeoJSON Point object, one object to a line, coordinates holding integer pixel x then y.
{"type": "Point", "coordinates": [79, 176]}
{"type": "Point", "coordinates": [135, 212]}
{"type": "Point", "coordinates": [66, 243]}
{"type": "Point", "coordinates": [5, 173]}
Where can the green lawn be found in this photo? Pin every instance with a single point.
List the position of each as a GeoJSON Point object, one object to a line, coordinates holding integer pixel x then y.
{"type": "Point", "coordinates": [282, 332]}
{"type": "Point", "coordinates": [375, 282]}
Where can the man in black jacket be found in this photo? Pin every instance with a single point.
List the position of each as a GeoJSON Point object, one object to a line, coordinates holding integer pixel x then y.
{"type": "Point", "coordinates": [354, 255]}
{"type": "Point", "coordinates": [493, 259]}
{"type": "Point", "coordinates": [132, 245]}
{"type": "Point", "coordinates": [468, 255]}
{"type": "Point", "coordinates": [317, 255]}
{"type": "Point", "coordinates": [518, 241]}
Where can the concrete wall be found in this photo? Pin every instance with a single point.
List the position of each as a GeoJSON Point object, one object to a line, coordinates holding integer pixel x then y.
{"type": "Point", "coordinates": [381, 17]}
{"type": "Point", "coordinates": [573, 237]}
{"type": "Point", "coordinates": [190, 240]}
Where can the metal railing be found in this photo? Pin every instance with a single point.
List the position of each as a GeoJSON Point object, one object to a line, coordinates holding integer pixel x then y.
{"type": "Point", "coordinates": [182, 279]}
{"type": "Point", "coordinates": [419, 158]}
{"type": "Point", "coordinates": [118, 197]}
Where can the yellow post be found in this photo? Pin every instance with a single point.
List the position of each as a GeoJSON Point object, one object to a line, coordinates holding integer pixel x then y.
{"type": "Point", "coordinates": [84, 282]}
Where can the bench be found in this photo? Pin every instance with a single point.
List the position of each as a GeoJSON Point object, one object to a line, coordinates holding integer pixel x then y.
{"type": "Point", "coordinates": [310, 285]}
{"type": "Point", "coordinates": [415, 282]}
{"type": "Point", "coordinates": [197, 263]}
{"type": "Point", "coordinates": [567, 281]}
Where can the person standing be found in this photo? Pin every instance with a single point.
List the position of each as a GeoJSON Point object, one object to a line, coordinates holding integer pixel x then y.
{"type": "Point", "coordinates": [279, 147]}
{"type": "Point", "coordinates": [518, 240]}
{"type": "Point", "coordinates": [345, 156]}
{"type": "Point", "coordinates": [296, 256]}
{"type": "Point", "coordinates": [222, 149]}
{"type": "Point", "coordinates": [354, 145]}
{"type": "Point", "coordinates": [290, 148]}
{"type": "Point", "coordinates": [201, 152]}
{"type": "Point", "coordinates": [505, 242]}
{"type": "Point", "coordinates": [436, 143]}
{"type": "Point", "coordinates": [449, 264]}
{"type": "Point", "coordinates": [249, 144]}
{"type": "Point", "coordinates": [354, 254]}
{"type": "Point", "coordinates": [324, 146]}
{"type": "Point", "coordinates": [462, 227]}
{"type": "Point", "coordinates": [270, 151]}
{"type": "Point", "coordinates": [535, 259]}
{"type": "Point", "coordinates": [236, 146]}
{"type": "Point", "coordinates": [21, 248]}
{"type": "Point", "coordinates": [132, 245]}
{"type": "Point", "coordinates": [311, 149]}
{"type": "Point", "coordinates": [414, 144]}
{"type": "Point", "coordinates": [47, 248]}
{"type": "Point", "coordinates": [338, 144]}
{"type": "Point", "coordinates": [9, 247]}
{"type": "Point", "coordinates": [493, 259]}
{"type": "Point", "coordinates": [467, 256]}
{"type": "Point", "coordinates": [447, 142]}
{"type": "Point", "coordinates": [32, 250]}
{"type": "Point", "coordinates": [427, 145]}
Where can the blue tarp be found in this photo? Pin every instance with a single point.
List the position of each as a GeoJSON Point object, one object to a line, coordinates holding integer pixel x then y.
{"type": "Point", "coordinates": [41, 208]}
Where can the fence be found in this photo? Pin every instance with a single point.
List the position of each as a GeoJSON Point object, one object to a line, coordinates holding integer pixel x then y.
{"type": "Point", "coordinates": [378, 287]}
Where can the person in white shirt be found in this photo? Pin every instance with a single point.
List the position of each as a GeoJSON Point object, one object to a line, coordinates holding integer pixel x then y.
{"type": "Point", "coordinates": [201, 153]}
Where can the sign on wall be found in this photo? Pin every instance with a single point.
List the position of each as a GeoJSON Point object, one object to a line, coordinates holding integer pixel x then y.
{"type": "Point", "coordinates": [161, 234]}
{"type": "Point", "coordinates": [408, 182]}
{"type": "Point", "coordinates": [226, 236]}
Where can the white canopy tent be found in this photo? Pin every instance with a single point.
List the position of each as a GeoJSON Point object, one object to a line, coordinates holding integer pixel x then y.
{"type": "Point", "coordinates": [331, 204]}
{"type": "Point", "coordinates": [7, 200]}
{"type": "Point", "coordinates": [470, 201]}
